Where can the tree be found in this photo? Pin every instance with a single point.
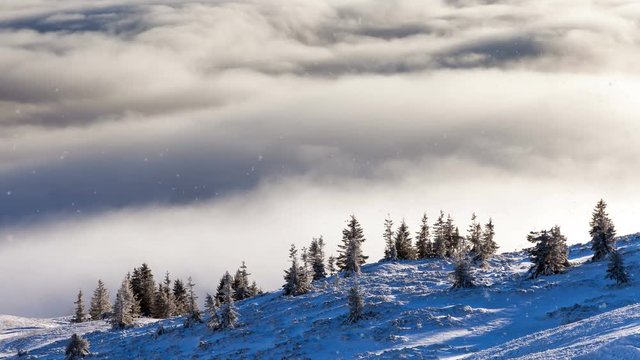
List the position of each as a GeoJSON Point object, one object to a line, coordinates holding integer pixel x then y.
{"type": "Point", "coordinates": [352, 239]}
{"type": "Point", "coordinates": [192, 304]}
{"type": "Point", "coordinates": [163, 306]}
{"type": "Point", "coordinates": [489, 245]}
{"type": "Point", "coordinates": [77, 348]}
{"type": "Point", "coordinates": [403, 242]}
{"type": "Point", "coordinates": [602, 232]}
{"type": "Point", "coordinates": [440, 240]}
{"type": "Point", "coordinates": [390, 251]}
{"type": "Point", "coordinates": [452, 237]}
{"type": "Point", "coordinates": [144, 289]}
{"type": "Point", "coordinates": [616, 270]}
{"type": "Point", "coordinates": [79, 315]}
{"type": "Point", "coordinates": [124, 307]}
{"type": "Point", "coordinates": [211, 309]}
{"type": "Point", "coordinates": [332, 265]}
{"type": "Point", "coordinates": [316, 255]}
{"type": "Point", "coordinates": [180, 297]}
{"type": "Point", "coordinates": [100, 303]}
{"type": "Point", "coordinates": [549, 255]}
{"type": "Point", "coordinates": [241, 283]}
{"type": "Point", "coordinates": [462, 277]}
{"type": "Point", "coordinates": [474, 237]}
{"type": "Point", "coordinates": [350, 257]}
{"type": "Point", "coordinates": [424, 246]}
{"type": "Point", "coordinates": [220, 290]}
{"type": "Point", "coordinates": [228, 313]}
{"type": "Point", "coordinates": [296, 280]}
{"type": "Point", "coordinates": [355, 300]}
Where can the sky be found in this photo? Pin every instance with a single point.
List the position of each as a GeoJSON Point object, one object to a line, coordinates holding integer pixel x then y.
{"type": "Point", "coordinates": [196, 135]}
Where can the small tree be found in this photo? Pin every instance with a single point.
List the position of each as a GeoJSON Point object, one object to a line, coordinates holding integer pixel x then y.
{"type": "Point", "coordinates": [192, 305]}
{"type": "Point", "coordinates": [474, 237]}
{"type": "Point", "coordinates": [228, 313]}
{"type": "Point", "coordinates": [350, 256]}
{"type": "Point", "coordinates": [616, 270]}
{"type": "Point", "coordinates": [462, 276]}
{"type": "Point", "coordinates": [180, 297]}
{"type": "Point", "coordinates": [100, 303]}
{"type": "Point", "coordinates": [296, 280]}
{"type": "Point", "coordinates": [403, 242]}
{"type": "Point", "coordinates": [163, 305]}
{"type": "Point", "coordinates": [211, 308]}
{"type": "Point", "coordinates": [241, 283]}
{"type": "Point", "coordinates": [316, 255]}
{"type": "Point", "coordinates": [355, 300]}
{"type": "Point", "coordinates": [124, 307]}
{"type": "Point", "coordinates": [424, 246]}
{"type": "Point", "coordinates": [440, 240]}
{"type": "Point", "coordinates": [390, 251]}
{"type": "Point", "coordinates": [602, 232]}
{"type": "Point", "coordinates": [332, 265]}
{"type": "Point", "coordinates": [549, 255]}
{"type": "Point", "coordinates": [77, 348]}
{"type": "Point", "coordinates": [79, 314]}
{"type": "Point", "coordinates": [488, 246]}
{"type": "Point", "coordinates": [143, 287]}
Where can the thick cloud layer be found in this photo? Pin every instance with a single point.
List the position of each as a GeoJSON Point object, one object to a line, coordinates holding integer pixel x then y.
{"type": "Point", "coordinates": [203, 116]}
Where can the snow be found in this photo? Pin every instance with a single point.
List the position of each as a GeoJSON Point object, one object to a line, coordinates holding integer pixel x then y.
{"type": "Point", "coordinates": [410, 313]}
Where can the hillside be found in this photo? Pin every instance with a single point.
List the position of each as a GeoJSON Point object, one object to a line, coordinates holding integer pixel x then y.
{"type": "Point", "coordinates": [411, 313]}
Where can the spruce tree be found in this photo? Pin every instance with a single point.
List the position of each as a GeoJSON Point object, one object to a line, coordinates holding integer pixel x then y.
{"type": "Point", "coordinates": [77, 348]}
{"type": "Point", "coordinates": [474, 237]}
{"type": "Point", "coordinates": [254, 289]}
{"type": "Point", "coordinates": [424, 247]}
{"type": "Point", "coordinates": [241, 283]}
{"type": "Point", "coordinates": [350, 256]}
{"type": "Point", "coordinates": [390, 251]}
{"type": "Point", "coordinates": [144, 287]}
{"type": "Point", "coordinates": [403, 242]}
{"type": "Point", "coordinates": [180, 297]}
{"type": "Point", "coordinates": [211, 309]}
{"type": "Point", "coordinates": [602, 232]}
{"type": "Point", "coordinates": [228, 313]}
{"type": "Point", "coordinates": [331, 262]}
{"type": "Point", "coordinates": [193, 312]}
{"type": "Point", "coordinates": [163, 306]}
{"type": "Point", "coordinates": [440, 239]}
{"type": "Point", "coordinates": [78, 317]}
{"type": "Point", "coordinates": [100, 303]}
{"type": "Point", "coordinates": [451, 238]}
{"type": "Point", "coordinates": [355, 300]}
{"type": "Point", "coordinates": [462, 277]}
{"type": "Point", "coordinates": [124, 307]}
{"type": "Point", "coordinates": [489, 245]}
{"type": "Point", "coordinates": [549, 255]}
{"type": "Point", "coordinates": [220, 290]}
{"type": "Point", "coordinates": [316, 254]}
{"type": "Point", "coordinates": [296, 280]}
{"type": "Point", "coordinates": [616, 270]}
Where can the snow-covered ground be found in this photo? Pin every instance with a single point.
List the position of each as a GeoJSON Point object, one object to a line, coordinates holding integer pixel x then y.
{"type": "Point", "coordinates": [411, 313]}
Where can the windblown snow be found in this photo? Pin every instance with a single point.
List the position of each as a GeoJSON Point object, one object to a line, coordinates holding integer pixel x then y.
{"type": "Point", "coordinates": [410, 313]}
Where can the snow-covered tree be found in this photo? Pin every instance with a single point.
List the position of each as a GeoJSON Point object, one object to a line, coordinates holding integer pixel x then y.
{"type": "Point", "coordinates": [403, 242]}
{"type": "Point", "coordinates": [355, 299]}
{"type": "Point", "coordinates": [77, 348]}
{"type": "Point", "coordinates": [452, 237]}
{"type": "Point", "coordinates": [602, 232]}
{"type": "Point", "coordinates": [424, 246]}
{"type": "Point", "coordinates": [549, 255]}
{"type": "Point", "coordinates": [193, 312]}
{"type": "Point", "coordinates": [332, 265]}
{"type": "Point", "coordinates": [79, 315]}
{"type": "Point", "coordinates": [316, 255]}
{"type": "Point", "coordinates": [461, 275]}
{"type": "Point", "coordinates": [228, 313]}
{"type": "Point", "coordinates": [100, 303]}
{"type": "Point", "coordinates": [144, 287]}
{"type": "Point", "coordinates": [211, 309]}
{"type": "Point", "coordinates": [390, 251]}
{"type": "Point", "coordinates": [350, 256]}
{"type": "Point", "coordinates": [254, 289]}
{"type": "Point", "coordinates": [241, 283]}
{"type": "Point", "coordinates": [489, 245]}
{"type": "Point", "coordinates": [180, 297]}
{"type": "Point", "coordinates": [296, 278]}
{"type": "Point", "coordinates": [220, 290]}
{"type": "Point", "coordinates": [440, 237]}
{"type": "Point", "coordinates": [616, 270]}
{"type": "Point", "coordinates": [125, 306]}
{"type": "Point", "coordinates": [474, 237]}
{"type": "Point", "coordinates": [163, 306]}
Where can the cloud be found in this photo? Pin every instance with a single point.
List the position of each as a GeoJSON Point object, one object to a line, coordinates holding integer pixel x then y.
{"type": "Point", "coordinates": [117, 116]}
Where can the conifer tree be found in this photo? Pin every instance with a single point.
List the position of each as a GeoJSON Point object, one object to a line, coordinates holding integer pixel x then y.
{"type": "Point", "coordinates": [390, 251]}
{"type": "Point", "coordinates": [211, 309]}
{"type": "Point", "coordinates": [180, 297]}
{"type": "Point", "coordinates": [403, 242]}
{"type": "Point", "coordinates": [100, 303]}
{"type": "Point", "coordinates": [440, 239]}
{"type": "Point", "coordinates": [462, 277]}
{"type": "Point", "coordinates": [616, 270]}
{"type": "Point", "coordinates": [332, 265]}
{"type": "Point", "coordinates": [163, 306]}
{"type": "Point", "coordinates": [424, 247]}
{"type": "Point", "coordinates": [452, 237]}
{"type": "Point", "coordinates": [549, 255]}
{"type": "Point", "coordinates": [79, 314]}
{"type": "Point", "coordinates": [474, 237]}
{"type": "Point", "coordinates": [192, 304]}
{"type": "Point", "coordinates": [241, 283]}
{"type": "Point", "coordinates": [355, 300]}
{"type": "Point", "coordinates": [228, 313]}
{"type": "Point", "coordinates": [316, 254]}
{"type": "Point", "coordinates": [489, 247]}
{"type": "Point", "coordinates": [254, 290]}
{"type": "Point", "coordinates": [350, 256]}
{"type": "Point", "coordinates": [144, 287]}
{"type": "Point", "coordinates": [124, 307]}
{"type": "Point", "coordinates": [220, 290]}
{"type": "Point", "coordinates": [602, 232]}
{"type": "Point", "coordinates": [296, 280]}
{"type": "Point", "coordinates": [77, 348]}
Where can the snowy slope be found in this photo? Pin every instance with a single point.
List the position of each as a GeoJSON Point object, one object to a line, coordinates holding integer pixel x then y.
{"type": "Point", "coordinates": [411, 313]}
